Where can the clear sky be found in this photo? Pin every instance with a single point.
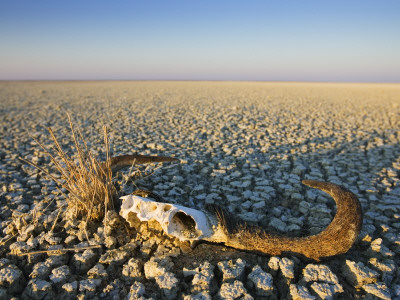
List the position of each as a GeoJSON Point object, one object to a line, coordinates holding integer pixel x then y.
{"type": "Point", "coordinates": [301, 40]}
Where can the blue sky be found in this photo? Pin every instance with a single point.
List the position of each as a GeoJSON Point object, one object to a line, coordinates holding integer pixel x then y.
{"type": "Point", "coordinates": [356, 41]}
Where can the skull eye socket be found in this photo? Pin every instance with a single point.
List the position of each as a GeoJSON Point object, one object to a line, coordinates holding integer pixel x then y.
{"type": "Point", "coordinates": [167, 207]}
{"type": "Point", "coordinates": [185, 224]}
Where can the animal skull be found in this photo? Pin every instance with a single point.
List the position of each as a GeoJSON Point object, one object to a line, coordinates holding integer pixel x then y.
{"type": "Point", "coordinates": [184, 223]}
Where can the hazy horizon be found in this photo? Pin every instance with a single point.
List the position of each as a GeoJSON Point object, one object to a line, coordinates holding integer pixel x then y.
{"type": "Point", "coordinates": [291, 41]}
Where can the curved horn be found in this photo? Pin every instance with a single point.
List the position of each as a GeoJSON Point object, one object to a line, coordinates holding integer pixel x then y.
{"type": "Point", "coordinates": [336, 239]}
{"type": "Point", "coordinates": [123, 161]}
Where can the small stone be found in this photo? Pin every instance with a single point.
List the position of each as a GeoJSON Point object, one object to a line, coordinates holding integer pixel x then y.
{"type": "Point", "coordinates": [168, 284]}
{"type": "Point", "coordinates": [98, 271]}
{"type": "Point", "coordinates": [262, 281]}
{"type": "Point", "coordinates": [203, 279]}
{"type": "Point", "coordinates": [163, 250]}
{"type": "Point", "coordinates": [278, 224]}
{"type": "Point", "coordinates": [113, 290]}
{"type": "Point", "coordinates": [38, 289]}
{"type": "Point", "coordinates": [19, 247]}
{"type": "Point", "coordinates": [133, 269]}
{"type": "Point", "coordinates": [251, 217]}
{"type": "Point", "coordinates": [234, 290]}
{"type": "Point", "coordinates": [147, 247]}
{"type": "Point", "coordinates": [319, 273]}
{"type": "Point", "coordinates": [82, 262]}
{"type": "Point", "coordinates": [40, 270]}
{"type": "Point", "coordinates": [378, 246]}
{"type": "Point", "coordinates": [211, 198]}
{"type": "Point", "coordinates": [259, 205]}
{"type": "Point", "coordinates": [273, 263]}
{"type": "Point", "coordinates": [71, 287]}
{"type": "Point", "coordinates": [88, 287]}
{"type": "Point", "coordinates": [115, 256]}
{"type": "Point", "coordinates": [285, 264]}
{"type": "Point", "coordinates": [296, 196]}
{"type": "Point", "coordinates": [199, 296]}
{"type": "Point", "coordinates": [293, 227]}
{"type": "Point", "coordinates": [387, 267]}
{"type": "Point", "coordinates": [60, 275]}
{"type": "Point", "coordinates": [155, 267]}
{"type": "Point", "coordinates": [232, 198]}
{"type": "Point", "coordinates": [358, 274]}
{"type": "Point", "coordinates": [55, 261]}
{"type": "Point", "coordinates": [393, 238]}
{"type": "Point", "coordinates": [232, 269]}
{"type": "Point", "coordinates": [70, 240]}
{"type": "Point", "coordinates": [326, 283]}
{"type": "Point", "coordinates": [241, 184]}
{"type": "Point", "coordinates": [277, 212]}
{"type": "Point", "coordinates": [12, 279]}
{"type": "Point", "coordinates": [299, 292]}
{"type": "Point", "coordinates": [32, 242]}
{"type": "Point", "coordinates": [112, 219]}
{"type": "Point", "coordinates": [369, 228]}
{"type": "Point", "coordinates": [287, 267]}
{"type": "Point", "coordinates": [51, 238]}
{"type": "Point", "coordinates": [110, 242]}
{"type": "Point", "coordinates": [326, 290]}
{"type": "Point", "coordinates": [378, 289]}
{"type": "Point", "coordinates": [136, 291]}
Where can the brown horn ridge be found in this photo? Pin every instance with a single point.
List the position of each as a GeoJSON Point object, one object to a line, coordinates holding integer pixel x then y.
{"type": "Point", "coordinates": [336, 239]}
{"type": "Point", "coordinates": [123, 161]}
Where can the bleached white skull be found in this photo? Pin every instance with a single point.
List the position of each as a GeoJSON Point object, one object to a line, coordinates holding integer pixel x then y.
{"type": "Point", "coordinates": [185, 223]}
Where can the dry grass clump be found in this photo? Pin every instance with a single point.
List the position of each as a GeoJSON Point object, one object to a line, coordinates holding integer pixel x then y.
{"type": "Point", "coordinates": [89, 182]}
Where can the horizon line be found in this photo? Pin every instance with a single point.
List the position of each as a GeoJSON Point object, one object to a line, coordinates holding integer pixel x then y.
{"type": "Point", "coordinates": [196, 80]}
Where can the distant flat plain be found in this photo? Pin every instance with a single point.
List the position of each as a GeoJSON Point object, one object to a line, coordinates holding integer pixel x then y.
{"type": "Point", "coordinates": [243, 145]}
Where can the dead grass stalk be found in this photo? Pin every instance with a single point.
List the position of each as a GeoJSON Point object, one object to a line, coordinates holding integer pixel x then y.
{"type": "Point", "coordinates": [89, 181]}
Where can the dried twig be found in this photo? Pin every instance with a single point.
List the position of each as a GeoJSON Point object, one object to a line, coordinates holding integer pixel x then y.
{"type": "Point", "coordinates": [60, 250]}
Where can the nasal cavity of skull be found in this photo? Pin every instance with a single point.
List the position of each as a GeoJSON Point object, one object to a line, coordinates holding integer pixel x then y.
{"type": "Point", "coordinates": [185, 224]}
{"type": "Point", "coordinates": [167, 207]}
{"type": "Point", "coordinates": [153, 207]}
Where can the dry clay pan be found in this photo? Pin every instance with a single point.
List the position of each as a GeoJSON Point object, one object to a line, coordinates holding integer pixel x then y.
{"type": "Point", "coordinates": [217, 225]}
